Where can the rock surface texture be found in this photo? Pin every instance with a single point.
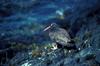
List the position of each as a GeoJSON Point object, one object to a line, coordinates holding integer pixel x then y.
{"type": "Point", "coordinates": [24, 43]}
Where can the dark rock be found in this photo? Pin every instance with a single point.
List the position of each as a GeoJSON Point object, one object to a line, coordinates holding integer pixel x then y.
{"type": "Point", "coordinates": [97, 57]}
{"type": "Point", "coordinates": [86, 54]}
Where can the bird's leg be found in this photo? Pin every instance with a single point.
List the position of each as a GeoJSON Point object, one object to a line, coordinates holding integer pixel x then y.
{"type": "Point", "coordinates": [62, 48]}
{"type": "Point", "coordinates": [65, 52]}
{"type": "Point", "coordinates": [59, 45]}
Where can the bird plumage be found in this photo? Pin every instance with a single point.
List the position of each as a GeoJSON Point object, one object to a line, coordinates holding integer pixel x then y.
{"type": "Point", "coordinates": [59, 36]}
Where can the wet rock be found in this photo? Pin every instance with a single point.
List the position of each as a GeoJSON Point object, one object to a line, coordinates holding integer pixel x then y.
{"type": "Point", "coordinates": [86, 54]}
{"type": "Point", "coordinates": [97, 57]}
{"type": "Point", "coordinates": [25, 58]}
{"type": "Point", "coordinates": [69, 62]}
{"type": "Point", "coordinates": [19, 58]}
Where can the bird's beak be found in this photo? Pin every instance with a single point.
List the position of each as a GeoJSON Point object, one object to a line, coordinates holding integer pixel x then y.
{"type": "Point", "coordinates": [47, 28]}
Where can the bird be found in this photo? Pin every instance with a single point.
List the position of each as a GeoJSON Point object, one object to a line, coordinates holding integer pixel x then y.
{"type": "Point", "coordinates": [60, 36]}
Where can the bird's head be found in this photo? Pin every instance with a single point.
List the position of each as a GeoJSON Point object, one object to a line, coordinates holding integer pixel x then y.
{"type": "Point", "coordinates": [52, 26]}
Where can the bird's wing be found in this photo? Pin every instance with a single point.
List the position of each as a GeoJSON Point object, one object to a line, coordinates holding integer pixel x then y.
{"type": "Point", "coordinates": [65, 33]}
{"type": "Point", "coordinates": [59, 37]}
